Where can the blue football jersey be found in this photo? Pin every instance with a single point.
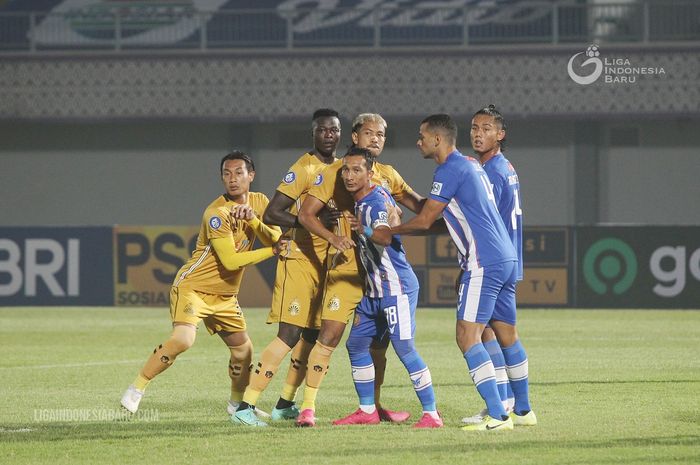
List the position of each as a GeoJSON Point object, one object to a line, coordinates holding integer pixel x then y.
{"type": "Point", "coordinates": [506, 189]}
{"type": "Point", "coordinates": [388, 270]}
{"type": "Point", "coordinates": [471, 214]}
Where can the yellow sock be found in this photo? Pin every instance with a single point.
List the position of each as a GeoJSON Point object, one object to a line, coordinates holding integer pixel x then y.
{"type": "Point", "coordinates": [251, 396]}
{"type": "Point", "coordinates": [309, 398]}
{"type": "Point", "coordinates": [297, 369]}
{"type": "Point", "coordinates": [266, 368]}
{"type": "Point", "coordinates": [319, 358]}
{"type": "Point", "coordinates": [162, 357]}
{"type": "Point", "coordinates": [239, 369]}
{"type": "Point", "coordinates": [289, 392]}
{"type": "Point", "coordinates": [141, 382]}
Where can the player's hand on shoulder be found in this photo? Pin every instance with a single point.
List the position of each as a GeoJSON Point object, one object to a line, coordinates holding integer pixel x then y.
{"type": "Point", "coordinates": [354, 222]}
{"type": "Point", "coordinates": [242, 212]}
{"type": "Point", "coordinates": [328, 216]}
{"type": "Point", "coordinates": [342, 243]}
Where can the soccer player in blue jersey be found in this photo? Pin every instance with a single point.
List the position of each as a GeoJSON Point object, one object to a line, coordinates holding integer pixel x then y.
{"type": "Point", "coordinates": [488, 133]}
{"type": "Point", "coordinates": [391, 295]}
{"type": "Point", "coordinates": [463, 195]}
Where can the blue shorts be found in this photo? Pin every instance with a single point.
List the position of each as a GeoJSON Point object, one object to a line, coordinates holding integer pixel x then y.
{"type": "Point", "coordinates": [488, 293]}
{"type": "Point", "coordinates": [375, 316]}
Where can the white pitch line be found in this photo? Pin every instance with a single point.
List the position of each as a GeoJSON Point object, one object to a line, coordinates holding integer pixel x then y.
{"type": "Point", "coordinates": [84, 364]}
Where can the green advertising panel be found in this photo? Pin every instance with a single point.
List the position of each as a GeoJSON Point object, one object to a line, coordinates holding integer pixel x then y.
{"type": "Point", "coordinates": [638, 267]}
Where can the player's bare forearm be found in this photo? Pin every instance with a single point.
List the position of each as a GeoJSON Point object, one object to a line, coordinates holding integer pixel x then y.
{"type": "Point", "coordinates": [277, 214]}
{"type": "Point", "coordinates": [308, 217]}
{"type": "Point", "coordinates": [423, 221]}
{"type": "Point", "coordinates": [382, 236]}
{"type": "Point", "coordinates": [413, 201]}
{"type": "Point", "coordinates": [283, 219]}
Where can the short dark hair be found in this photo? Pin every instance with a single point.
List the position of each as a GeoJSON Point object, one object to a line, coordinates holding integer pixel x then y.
{"type": "Point", "coordinates": [443, 123]}
{"type": "Point", "coordinates": [497, 117]}
{"type": "Point", "coordinates": [323, 113]}
{"type": "Point", "coordinates": [237, 155]}
{"type": "Point", "coordinates": [355, 151]}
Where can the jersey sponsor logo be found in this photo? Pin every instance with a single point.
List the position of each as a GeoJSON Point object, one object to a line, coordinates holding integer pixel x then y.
{"type": "Point", "coordinates": [294, 307]}
{"type": "Point", "coordinates": [436, 189]}
{"type": "Point", "coordinates": [215, 222]}
{"type": "Point", "coordinates": [334, 304]}
{"type": "Point", "coordinates": [383, 216]}
{"type": "Point", "coordinates": [289, 178]}
{"type": "Point", "coordinates": [318, 180]}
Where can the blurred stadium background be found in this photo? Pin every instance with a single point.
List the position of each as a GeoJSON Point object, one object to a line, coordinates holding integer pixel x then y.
{"type": "Point", "coordinates": [114, 115]}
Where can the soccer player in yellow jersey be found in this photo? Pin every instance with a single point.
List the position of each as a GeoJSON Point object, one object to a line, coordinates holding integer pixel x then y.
{"type": "Point", "coordinates": [206, 287]}
{"type": "Point", "coordinates": [343, 288]}
{"type": "Point", "coordinates": [296, 299]}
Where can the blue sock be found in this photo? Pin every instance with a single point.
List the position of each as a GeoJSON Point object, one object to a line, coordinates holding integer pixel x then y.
{"type": "Point", "coordinates": [516, 365]}
{"type": "Point", "coordinates": [362, 368]}
{"type": "Point", "coordinates": [419, 373]}
{"type": "Point", "coordinates": [484, 377]}
{"type": "Point", "coordinates": [509, 393]}
{"type": "Point", "coordinates": [499, 364]}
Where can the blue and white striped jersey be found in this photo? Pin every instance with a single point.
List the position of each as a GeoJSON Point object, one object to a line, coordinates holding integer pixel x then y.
{"type": "Point", "coordinates": [506, 189]}
{"type": "Point", "coordinates": [471, 214]}
{"type": "Point", "coordinates": [388, 270]}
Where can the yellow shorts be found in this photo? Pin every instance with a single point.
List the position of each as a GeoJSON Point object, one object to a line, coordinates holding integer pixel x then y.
{"type": "Point", "coordinates": [296, 298]}
{"type": "Point", "coordinates": [342, 294]}
{"type": "Point", "coordinates": [219, 312]}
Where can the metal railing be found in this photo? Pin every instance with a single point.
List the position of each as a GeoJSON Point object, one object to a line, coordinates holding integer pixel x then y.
{"type": "Point", "coordinates": [112, 26]}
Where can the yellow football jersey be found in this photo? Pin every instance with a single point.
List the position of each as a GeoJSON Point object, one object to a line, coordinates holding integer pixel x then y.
{"type": "Point", "coordinates": [204, 272]}
{"type": "Point", "coordinates": [302, 176]}
{"type": "Point", "coordinates": [331, 190]}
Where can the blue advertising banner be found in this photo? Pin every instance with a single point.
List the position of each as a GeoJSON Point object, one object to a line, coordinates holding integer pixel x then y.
{"type": "Point", "coordinates": [56, 266]}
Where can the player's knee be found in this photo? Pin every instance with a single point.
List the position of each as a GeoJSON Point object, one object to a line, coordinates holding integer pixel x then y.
{"type": "Point", "coordinates": [310, 335]}
{"type": "Point", "coordinates": [243, 352]}
{"type": "Point", "coordinates": [289, 334]}
{"type": "Point", "coordinates": [405, 350]}
{"type": "Point", "coordinates": [357, 345]}
{"type": "Point", "coordinates": [182, 338]}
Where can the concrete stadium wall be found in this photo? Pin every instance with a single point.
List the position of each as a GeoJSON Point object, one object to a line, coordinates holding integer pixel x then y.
{"type": "Point", "coordinates": [165, 173]}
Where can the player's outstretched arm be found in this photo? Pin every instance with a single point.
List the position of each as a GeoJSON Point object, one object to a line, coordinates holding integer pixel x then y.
{"type": "Point", "coordinates": [423, 221]}
{"type": "Point", "coordinates": [277, 212]}
{"type": "Point", "coordinates": [226, 251]}
{"type": "Point", "coordinates": [415, 202]}
{"type": "Point", "coordinates": [268, 235]}
{"type": "Point", "coordinates": [308, 217]}
{"type": "Point", "coordinates": [412, 200]}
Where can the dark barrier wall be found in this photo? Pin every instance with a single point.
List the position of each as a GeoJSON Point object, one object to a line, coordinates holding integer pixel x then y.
{"type": "Point", "coordinates": [597, 267]}
{"type": "Point", "coordinates": [633, 267]}
{"type": "Point", "coordinates": [56, 266]}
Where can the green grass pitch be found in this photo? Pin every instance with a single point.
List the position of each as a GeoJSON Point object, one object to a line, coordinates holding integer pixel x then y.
{"type": "Point", "coordinates": [608, 387]}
